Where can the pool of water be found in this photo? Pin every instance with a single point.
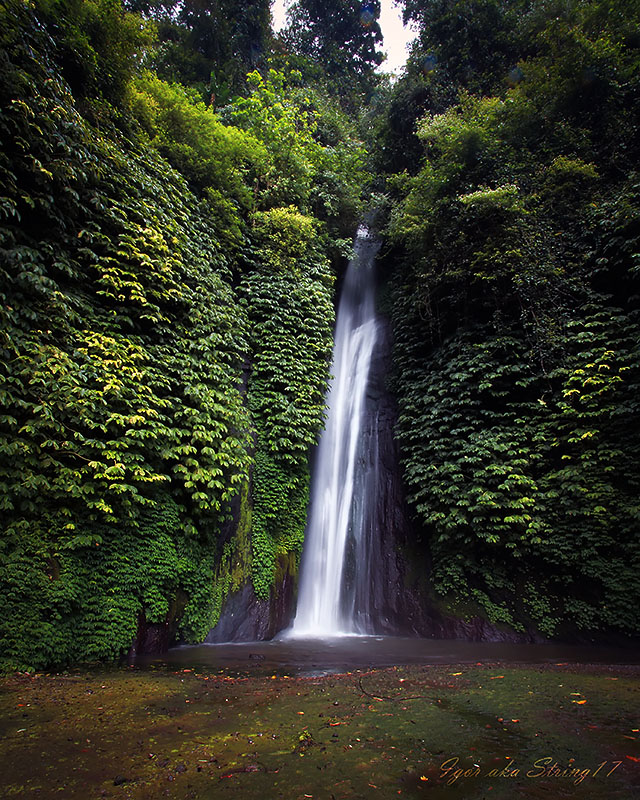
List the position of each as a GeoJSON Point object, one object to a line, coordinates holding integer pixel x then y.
{"type": "Point", "coordinates": [349, 653]}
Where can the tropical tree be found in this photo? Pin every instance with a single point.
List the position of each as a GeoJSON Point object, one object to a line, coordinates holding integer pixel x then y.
{"type": "Point", "coordinates": [341, 36]}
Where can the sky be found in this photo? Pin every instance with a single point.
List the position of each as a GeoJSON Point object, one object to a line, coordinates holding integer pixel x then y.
{"type": "Point", "coordinates": [396, 36]}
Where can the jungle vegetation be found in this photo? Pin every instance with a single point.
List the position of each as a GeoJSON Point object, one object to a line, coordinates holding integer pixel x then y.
{"type": "Point", "coordinates": [513, 233]}
{"type": "Point", "coordinates": [179, 190]}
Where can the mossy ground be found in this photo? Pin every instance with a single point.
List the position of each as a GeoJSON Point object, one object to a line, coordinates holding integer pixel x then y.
{"type": "Point", "coordinates": [534, 732]}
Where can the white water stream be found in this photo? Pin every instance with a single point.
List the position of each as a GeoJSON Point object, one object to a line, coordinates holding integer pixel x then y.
{"type": "Point", "coordinates": [325, 602]}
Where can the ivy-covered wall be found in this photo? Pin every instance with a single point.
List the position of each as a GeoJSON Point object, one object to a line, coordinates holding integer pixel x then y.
{"type": "Point", "coordinates": [164, 348]}
{"type": "Point", "coordinates": [513, 257]}
{"type": "Point", "coordinates": [289, 303]}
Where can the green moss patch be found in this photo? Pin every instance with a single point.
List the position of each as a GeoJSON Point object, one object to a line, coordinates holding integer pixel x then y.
{"type": "Point", "coordinates": [437, 732]}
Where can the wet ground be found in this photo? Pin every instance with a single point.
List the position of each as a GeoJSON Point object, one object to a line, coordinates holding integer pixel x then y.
{"type": "Point", "coordinates": [465, 730]}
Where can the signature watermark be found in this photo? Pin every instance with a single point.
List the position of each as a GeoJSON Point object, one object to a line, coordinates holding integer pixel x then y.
{"type": "Point", "coordinates": [547, 767]}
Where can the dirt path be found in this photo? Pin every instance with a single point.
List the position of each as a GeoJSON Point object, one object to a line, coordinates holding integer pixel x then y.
{"type": "Point", "coordinates": [485, 731]}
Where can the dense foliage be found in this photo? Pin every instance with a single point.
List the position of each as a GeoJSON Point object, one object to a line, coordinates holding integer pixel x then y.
{"type": "Point", "coordinates": [341, 38]}
{"type": "Point", "coordinates": [516, 308]}
{"type": "Point", "coordinates": [178, 192]}
{"type": "Point", "coordinates": [289, 303]}
{"type": "Point", "coordinates": [207, 44]}
{"type": "Point", "coordinates": [166, 329]}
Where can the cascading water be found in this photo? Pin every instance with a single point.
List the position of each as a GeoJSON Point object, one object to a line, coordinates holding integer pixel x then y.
{"type": "Point", "coordinates": [334, 588]}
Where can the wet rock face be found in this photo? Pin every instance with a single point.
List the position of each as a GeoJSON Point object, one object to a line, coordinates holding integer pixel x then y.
{"type": "Point", "coordinates": [245, 618]}
{"type": "Point", "coordinates": [381, 602]}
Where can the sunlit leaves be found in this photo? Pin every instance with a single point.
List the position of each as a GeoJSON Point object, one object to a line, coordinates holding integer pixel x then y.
{"type": "Point", "coordinates": [123, 430]}
{"type": "Point", "coordinates": [192, 137]}
{"type": "Point", "coordinates": [290, 314]}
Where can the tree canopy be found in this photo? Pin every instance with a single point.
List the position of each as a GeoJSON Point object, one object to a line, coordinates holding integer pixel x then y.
{"type": "Point", "coordinates": [341, 36]}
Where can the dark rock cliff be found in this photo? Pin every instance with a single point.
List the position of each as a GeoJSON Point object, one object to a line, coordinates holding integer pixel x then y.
{"type": "Point", "coordinates": [246, 618]}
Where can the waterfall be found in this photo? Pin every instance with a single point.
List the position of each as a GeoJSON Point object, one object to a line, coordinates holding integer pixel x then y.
{"type": "Point", "coordinates": [335, 577]}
